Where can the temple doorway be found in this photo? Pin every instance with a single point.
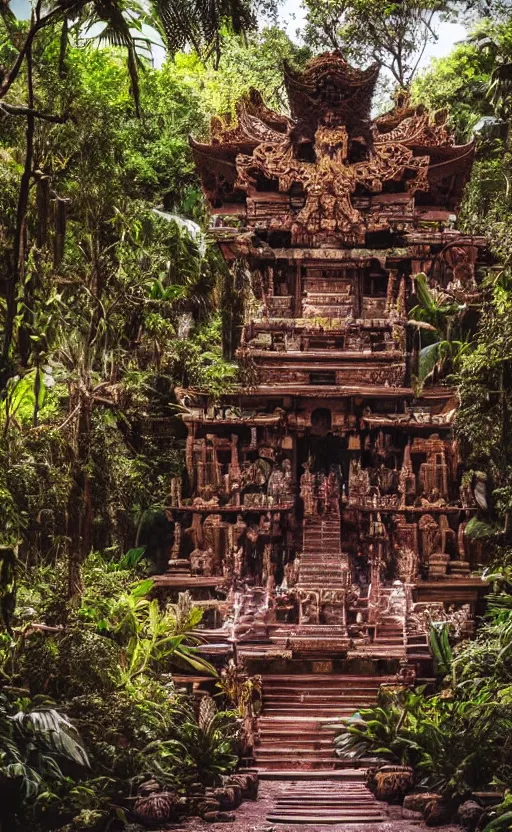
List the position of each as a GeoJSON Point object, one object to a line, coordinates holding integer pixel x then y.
{"type": "Point", "coordinates": [323, 454]}
{"type": "Point", "coordinates": [324, 450]}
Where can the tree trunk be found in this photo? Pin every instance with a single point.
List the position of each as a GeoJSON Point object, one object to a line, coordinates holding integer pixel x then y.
{"type": "Point", "coordinates": [79, 513]}
{"type": "Point", "coordinates": [20, 236]}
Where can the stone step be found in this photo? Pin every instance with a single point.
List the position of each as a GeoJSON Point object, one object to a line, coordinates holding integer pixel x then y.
{"type": "Point", "coordinates": [322, 813]}
{"type": "Point", "coordinates": [311, 529]}
{"type": "Point", "coordinates": [289, 746]}
{"type": "Point", "coordinates": [289, 751]}
{"type": "Point", "coordinates": [283, 721]}
{"type": "Point", "coordinates": [324, 632]}
{"type": "Point", "coordinates": [381, 651]}
{"type": "Point", "coordinates": [285, 764]}
{"type": "Point", "coordinates": [313, 818]}
{"type": "Point", "coordinates": [331, 695]}
{"type": "Point", "coordinates": [321, 523]}
{"type": "Point", "coordinates": [321, 795]}
{"type": "Point", "coordinates": [316, 629]}
{"type": "Point", "coordinates": [310, 583]}
{"type": "Point", "coordinates": [328, 713]}
{"type": "Point", "coordinates": [349, 694]}
{"type": "Point", "coordinates": [321, 555]}
{"type": "Point", "coordinates": [308, 680]}
{"type": "Point", "coordinates": [306, 728]}
{"type": "Point", "coordinates": [295, 743]}
{"type": "Point", "coordinates": [321, 577]}
{"type": "Point", "coordinates": [313, 535]}
{"type": "Point", "coordinates": [330, 547]}
{"type": "Point", "coordinates": [321, 569]}
{"type": "Point", "coordinates": [325, 802]}
{"type": "Point", "coordinates": [324, 554]}
{"type": "Point", "coordinates": [327, 693]}
{"type": "Point", "coordinates": [319, 574]}
{"type": "Point", "coordinates": [309, 777]}
{"type": "Point", "coordinates": [303, 729]}
{"type": "Point", "coordinates": [295, 704]}
{"type": "Point", "coordinates": [318, 571]}
{"type": "Point", "coordinates": [321, 808]}
{"type": "Point", "coordinates": [317, 690]}
{"type": "Point", "coordinates": [318, 583]}
{"type": "Point", "coordinates": [298, 754]}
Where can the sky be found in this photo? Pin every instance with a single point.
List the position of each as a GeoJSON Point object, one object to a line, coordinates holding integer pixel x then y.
{"type": "Point", "coordinates": [292, 17]}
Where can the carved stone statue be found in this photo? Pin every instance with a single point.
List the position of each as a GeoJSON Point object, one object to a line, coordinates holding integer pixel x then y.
{"type": "Point", "coordinates": [307, 487]}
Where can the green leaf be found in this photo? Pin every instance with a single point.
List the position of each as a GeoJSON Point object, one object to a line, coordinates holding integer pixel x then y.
{"type": "Point", "coordinates": [142, 589]}
{"type": "Point", "coordinates": [131, 558]}
{"type": "Point", "coordinates": [428, 359]}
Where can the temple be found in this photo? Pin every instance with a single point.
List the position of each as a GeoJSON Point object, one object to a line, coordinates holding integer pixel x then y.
{"type": "Point", "coordinates": [321, 522]}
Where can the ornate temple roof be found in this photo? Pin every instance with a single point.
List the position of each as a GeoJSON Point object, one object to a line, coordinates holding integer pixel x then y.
{"type": "Point", "coordinates": [329, 84]}
{"type": "Point", "coordinates": [329, 152]}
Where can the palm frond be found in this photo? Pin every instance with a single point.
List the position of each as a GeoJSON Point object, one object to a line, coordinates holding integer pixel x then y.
{"type": "Point", "coordinates": [199, 22]}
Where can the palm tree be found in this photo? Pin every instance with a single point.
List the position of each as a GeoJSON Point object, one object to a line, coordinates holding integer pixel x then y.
{"type": "Point", "coordinates": [197, 23]}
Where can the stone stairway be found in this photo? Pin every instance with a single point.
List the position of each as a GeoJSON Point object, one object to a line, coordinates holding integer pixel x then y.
{"type": "Point", "coordinates": [322, 564]}
{"type": "Point", "coordinates": [325, 803]}
{"type": "Point", "coordinates": [390, 636]}
{"type": "Point", "coordinates": [294, 726]}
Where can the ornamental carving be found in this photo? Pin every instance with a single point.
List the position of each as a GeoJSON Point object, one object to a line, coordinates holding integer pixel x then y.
{"type": "Point", "coordinates": [329, 181]}
{"type": "Point", "coordinates": [319, 173]}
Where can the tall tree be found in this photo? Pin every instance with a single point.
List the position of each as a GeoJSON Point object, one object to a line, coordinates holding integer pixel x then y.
{"type": "Point", "coordinates": [181, 22]}
{"type": "Point", "coordinates": [395, 34]}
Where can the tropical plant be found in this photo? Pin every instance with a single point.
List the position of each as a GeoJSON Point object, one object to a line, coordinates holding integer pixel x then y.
{"type": "Point", "coordinates": [203, 748]}
{"type": "Point", "coordinates": [35, 741]}
{"type": "Point", "coordinates": [440, 648]}
{"type": "Point", "coordinates": [503, 821]}
{"type": "Point", "coordinates": [241, 690]}
{"type": "Point", "coordinates": [151, 638]}
{"type": "Point", "coordinates": [451, 741]}
{"type": "Point", "coordinates": [439, 321]}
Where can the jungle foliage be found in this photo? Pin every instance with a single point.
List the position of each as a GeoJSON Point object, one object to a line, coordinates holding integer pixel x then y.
{"type": "Point", "coordinates": [111, 298]}
{"type": "Point", "coordinates": [110, 301]}
{"type": "Point", "coordinates": [89, 709]}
